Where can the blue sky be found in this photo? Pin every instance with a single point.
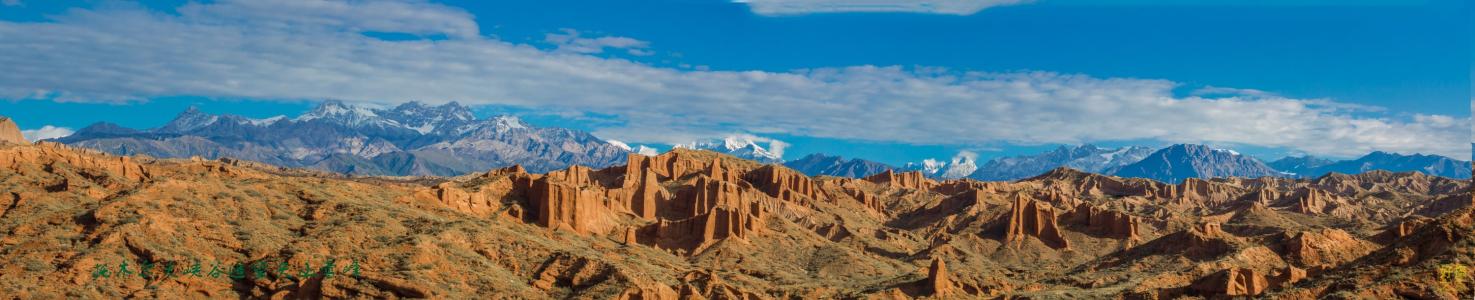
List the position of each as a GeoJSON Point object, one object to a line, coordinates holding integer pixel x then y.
{"type": "Point", "coordinates": [1270, 78]}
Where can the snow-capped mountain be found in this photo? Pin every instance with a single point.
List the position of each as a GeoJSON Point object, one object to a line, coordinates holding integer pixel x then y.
{"type": "Point", "coordinates": [820, 164]}
{"type": "Point", "coordinates": [961, 166]}
{"type": "Point", "coordinates": [1427, 164]}
{"type": "Point", "coordinates": [410, 139]}
{"type": "Point", "coordinates": [1089, 158]}
{"type": "Point", "coordinates": [929, 167]}
{"type": "Point", "coordinates": [1178, 162]}
{"type": "Point", "coordinates": [745, 147]}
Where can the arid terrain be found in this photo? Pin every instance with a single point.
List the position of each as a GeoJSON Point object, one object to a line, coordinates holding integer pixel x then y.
{"type": "Point", "coordinates": [695, 224]}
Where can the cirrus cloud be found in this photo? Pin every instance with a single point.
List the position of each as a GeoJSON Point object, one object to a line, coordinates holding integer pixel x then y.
{"type": "Point", "coordinates": [803, 7]}
{"type": "Point", "coordinates": [239, 49]}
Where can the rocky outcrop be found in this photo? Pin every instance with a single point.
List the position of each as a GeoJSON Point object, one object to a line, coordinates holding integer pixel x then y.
{"type": "Point", "coordinates": [671, 165]}
{"type": "Point", "coordinates": [1312, 201]}
{"type": "Point", "coordinates": [560, 205]}
{"type": "Point", "coordinates": [47, 153]}
{"type": "Point", "coordinates": [783, 183]}
{"type": "Point", "coordinates": [1233, 282]}
{"type": "Point", "coordinates": [937, 279]}
{"type": "Point", "coordinates": [1112, 223]}
{"type": "Point", "coordinates": [908, 180]}
{"type": "Point", "coordinates": [1325, 248]}
{"type": "Point", "coordinates": [1290, 276]}
{"type": "Point", "coordinates": [1202, 192]}
{"type": "Point", "coordinates": [450, 195]}
{"type": "Point", "coordinates": [642, 192]}
{"type": "Point", "coordinates": [1030, 218]}
{"type": "Point", "coordinates": [697, 232]}
{"type": "Point", "coordinates": [10, 133]}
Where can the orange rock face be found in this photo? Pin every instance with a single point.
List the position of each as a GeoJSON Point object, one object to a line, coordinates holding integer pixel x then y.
{"type": "Point", "coordinates": [1312, 201]}
{"type": "Point", "coordinates": [10, 133]}
{"type": "Point", "coordinates": [938, 278]}
{"type": "Point", "coordinates": [1030, 218]}
{"type": "Point", "coordinates": [559, 205]}
{"type": "Point", "coordinates": [783, 183]}
{"type": "Point", "coordinates": [1233, 282]}
{"type": "Point", "coordinates": [1325, 248]}
{"type": "Point", "coordinates": [910, 180]}
{"type": "Point", "coordinates": [1112, 223]}
{"type": "Point", "coordinates": [43, 153]}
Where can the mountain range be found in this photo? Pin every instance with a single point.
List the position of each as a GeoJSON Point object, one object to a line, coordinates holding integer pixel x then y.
{"type": "Point", "coordinates": [1311, 167]}
{"type": "Point", "coordinates": [739, 146]}
{"type": "Point", "coordinates": [409, 139]}
{"type": "Point", "coordinates": [419, 139]}
{"type": "Point", "coordinates": [1178, 162]}
{"type": "Point", "coordinates": [1089, 158]}
{"type": "Point", "coordinates": [819, 164]}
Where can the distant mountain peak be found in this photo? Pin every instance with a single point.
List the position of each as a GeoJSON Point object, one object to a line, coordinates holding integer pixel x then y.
{"type": "Point", "coordinates": [1087, 158]}
{"type": "Point", "coordinates": [189, 119]}
{"type": "Point", "coordinates": [408, 139]}
{"type": "Point", "coordinates": [1182, 161]}
{"type": "Point", "coordinates": [737, 145]}
{"type": "Point", "coordinates": [816, 164]}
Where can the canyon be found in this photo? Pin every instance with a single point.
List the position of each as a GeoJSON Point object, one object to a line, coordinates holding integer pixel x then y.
{"type": "Point", "coordinates": [694, 224]}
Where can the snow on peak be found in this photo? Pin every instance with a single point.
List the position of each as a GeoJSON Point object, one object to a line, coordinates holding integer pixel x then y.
{"type": "Point", "coordinates": [504, 122]}
{"type": "Point", "coordinates": [619, 144]}
{"type": "Point", "coordinates": [1231, 152]}
{"type": "Point", "coordinates": [962, 165]}
{"type": "Point", "coordinates": [336, 111]}
{"type": "Point", "coordinates": [647, 151]}
{"type": "Point", "coordinates": [927, 166]}
{"type": "Point", "coordinates": [744, 146]}
{"type": "Point", "coordinates": [266, 121]}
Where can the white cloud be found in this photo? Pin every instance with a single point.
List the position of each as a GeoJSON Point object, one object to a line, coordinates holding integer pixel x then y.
{"type": "Point", "coordinates": [46, 132]}
{"type": "Point", "coordinates": [232, 49]}
{"type": "Point", "coordinates": [802, 7]}
{"type": "Point", "coordinates": [569, 40]}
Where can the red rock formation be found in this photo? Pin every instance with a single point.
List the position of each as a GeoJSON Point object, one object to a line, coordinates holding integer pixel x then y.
{"type": "Point", "coordinates": [474, 203]}
{"type": "Point", "coordinates": [575, 175]}
{"type": "Point", "coordinates": [911, 180]}
{"type": "Point", "coordinates": [1290, 276]}
{"type": "Point", "coordinates": [643, 193]}
{"type": "Point", "coordinates": [1206, 240]}
{"type": "Point", "coordinates": [1408, 227]}
{"type": "Point", "coordinates": [701, 230]}
{"type": "Point", "coordinates": [1233, 282]}
{"type": "Point", "coordinates": [783, 183]}
{"type": "Point", "coordinates": [709, 193]}
{"type": "Point", "coordinates": [866, 199]}
{"type": "Point", "coordinates": [1032, 218]}
{"type": "Point", "coordinates": [937, 279]}
{"type": "Point", "coordinates": [1266, 196]}
{"type": "Point", "coordinates": [44, 153]}
{"type": "Point", "coordinates": [1325, 248]}
{"type": "Point", "coordinates": [1209, 229]}
{"type": "Point", "coordinates": [1313, 201]}
{"type": "Point", "coordinates": [10, 133]}
{"type": "Point", "coordinates": [1113, 223]}
{"type": "Point", "coordinates": [1201, 192]}
{"type": "Point", "coordinates": [670, 165]}
{"type": "Point", "coordinates": [563, 206]}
